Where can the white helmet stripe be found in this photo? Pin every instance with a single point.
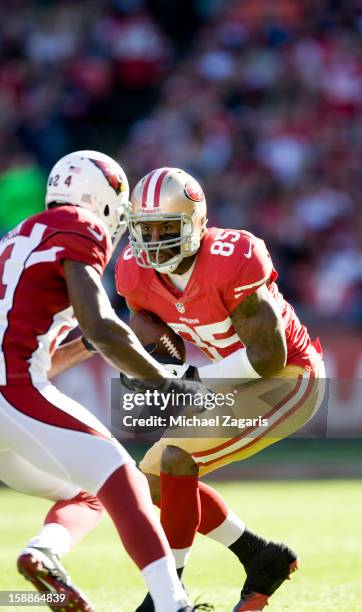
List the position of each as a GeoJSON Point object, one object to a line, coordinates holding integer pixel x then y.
{"type": "Point", "coordinates": [152, 188]}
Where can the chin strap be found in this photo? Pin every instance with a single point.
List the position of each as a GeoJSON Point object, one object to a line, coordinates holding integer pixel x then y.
{"type": "Point", "coordinates": [167, 269]}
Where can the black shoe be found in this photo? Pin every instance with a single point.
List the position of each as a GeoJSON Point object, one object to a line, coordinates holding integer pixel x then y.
{"type": "Point", "coordinates": [264, 574]}
{"type": "Point", "coordinates": [205, 607]}
{"type": "Point", "coordinates": [202, 606]}
{"type": "Point", "coordinates": [147, 606]}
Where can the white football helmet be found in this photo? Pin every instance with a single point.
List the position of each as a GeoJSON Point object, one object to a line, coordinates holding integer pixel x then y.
{"type": "Point", "coordinates": [91, 180]}
{"type": "Point", "coordinates": [173, 195]}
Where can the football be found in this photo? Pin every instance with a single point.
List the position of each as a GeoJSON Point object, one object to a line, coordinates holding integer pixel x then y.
{"type": "Point", "coordinates": [158, 338]}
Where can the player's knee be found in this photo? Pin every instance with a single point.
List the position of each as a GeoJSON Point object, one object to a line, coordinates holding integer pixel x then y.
{"type": "Point", "coordinates": [89, 500]}
{"type": "Point", "coordinates": [154, 484]}
{"type": "Point", "coordinates": [178, 462]}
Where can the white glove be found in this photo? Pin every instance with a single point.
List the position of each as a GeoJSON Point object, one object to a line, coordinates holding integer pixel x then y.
{"type": "Point", "coordinates": [182, 370]}
{"type": "Point", "coordinates": [176, 370]}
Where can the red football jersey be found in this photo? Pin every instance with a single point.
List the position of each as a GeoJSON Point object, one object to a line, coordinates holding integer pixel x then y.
{"type": "Point", "coordinates": [35, 312]}
{"type": "Point", "coordinates": [231, 264]}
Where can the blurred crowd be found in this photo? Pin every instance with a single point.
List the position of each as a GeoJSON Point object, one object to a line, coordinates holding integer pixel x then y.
{"type": "Point", "coordinates": [260, 100]}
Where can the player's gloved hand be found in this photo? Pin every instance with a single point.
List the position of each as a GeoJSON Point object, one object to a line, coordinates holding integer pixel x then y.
{"type": "Point", "coordinates": [171, 386]}
{"type": "Point", "coordinates": [179, 369]}
{"type": "Point", "coordinates": [183, 370]}
{"type": "Point", "coordinates": [89, 346]}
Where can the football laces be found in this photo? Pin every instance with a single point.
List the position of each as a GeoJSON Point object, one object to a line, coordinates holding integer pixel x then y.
{"type": "Point", "coordinates": [170, 347]}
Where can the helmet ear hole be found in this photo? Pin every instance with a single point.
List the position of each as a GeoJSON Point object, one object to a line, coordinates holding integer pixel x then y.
{"type": "Point", "coordinates": [106, 211]}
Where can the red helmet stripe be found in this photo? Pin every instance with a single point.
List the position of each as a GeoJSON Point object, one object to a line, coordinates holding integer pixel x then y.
{"type": "Point", "coordinates": [145, 188]}
{"type": "Point", "coordinates": [158, 186]}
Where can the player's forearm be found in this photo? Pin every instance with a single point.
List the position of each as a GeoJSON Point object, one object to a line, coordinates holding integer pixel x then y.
{"type": "Point", "coordinates": [122, 350]}
{"type": "Point", "coordinates": [100, 325]}
{"type": "Point", "coordinates": [67, 356]}
{"type": "Point", "coordinates": [259, 324]}
{"type": "Point", "coordinates": [244, 364]}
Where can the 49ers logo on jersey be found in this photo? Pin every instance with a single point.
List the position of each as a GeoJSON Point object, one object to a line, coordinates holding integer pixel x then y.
{"type": "Point", "coordinates": [114, 180]}
{"type": "Point", "coordinates": [194, 192]}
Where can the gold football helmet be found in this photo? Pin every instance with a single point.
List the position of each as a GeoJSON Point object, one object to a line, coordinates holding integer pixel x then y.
{"type": "Point", "coordinates": [163, 195]}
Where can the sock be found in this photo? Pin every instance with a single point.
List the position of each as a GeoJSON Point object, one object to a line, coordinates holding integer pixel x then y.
{"type": "Point", "coordinates": [218, 522]}
{"type": "Point", "coordinates": [54, 537]}
{"type": "Point", "coordinates": [67, 522]}
{"type": "Point", "coordinates": [127, 499]}
{"type": "Point", "coordinates": [169, 595]}
{"type": "Point", "coordinates": [180, 513]}
{"type": "Point", "coordinates": [179, 569]}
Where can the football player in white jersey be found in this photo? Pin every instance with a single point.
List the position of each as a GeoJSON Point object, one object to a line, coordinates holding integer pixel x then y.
{"type": "Point", "coordinates": [51, 446]}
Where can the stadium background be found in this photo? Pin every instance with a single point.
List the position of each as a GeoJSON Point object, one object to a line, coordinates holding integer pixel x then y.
{"type": "Point", "coordinates": [261, 101]}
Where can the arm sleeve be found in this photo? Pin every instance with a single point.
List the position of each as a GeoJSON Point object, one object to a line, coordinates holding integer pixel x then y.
{"type": "Point", "coordinates": [133, 306]}
{"type": "Point", "coordinates": [249, 274]}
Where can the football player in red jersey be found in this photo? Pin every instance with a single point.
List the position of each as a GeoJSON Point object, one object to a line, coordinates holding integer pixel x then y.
{"type": "Point", "coordinates": [51, 446]}
{"type": "Point", "coordinates": [217, 289]}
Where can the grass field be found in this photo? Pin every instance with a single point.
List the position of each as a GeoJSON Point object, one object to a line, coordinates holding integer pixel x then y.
{"type": "Point", "coordinates": [320, 519]}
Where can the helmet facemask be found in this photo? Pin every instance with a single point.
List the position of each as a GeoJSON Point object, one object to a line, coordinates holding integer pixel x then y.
{"type": "Point", "coordinates": [147, 252]}
{"type": "Point", "coordinates": [166, 195]}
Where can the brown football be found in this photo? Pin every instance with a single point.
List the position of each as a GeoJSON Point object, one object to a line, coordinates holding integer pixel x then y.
{"type": "Point", "coordinates": [158, 338]}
